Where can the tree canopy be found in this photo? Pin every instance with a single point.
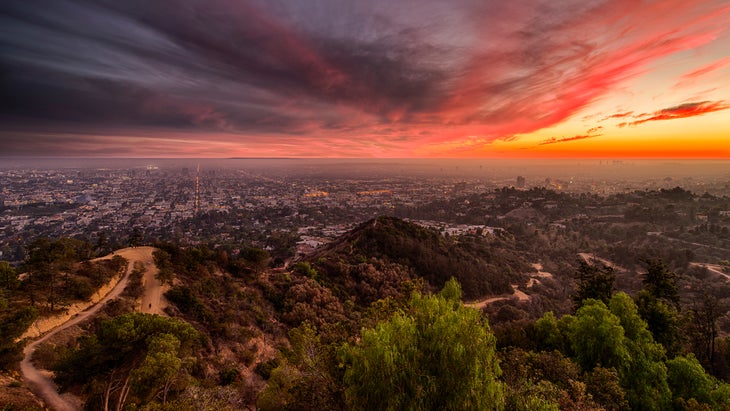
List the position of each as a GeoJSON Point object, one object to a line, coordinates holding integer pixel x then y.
{"type": "Point", "coordinates": [437, 354]}
{"type": "Point", "coordinates": [131, 357]}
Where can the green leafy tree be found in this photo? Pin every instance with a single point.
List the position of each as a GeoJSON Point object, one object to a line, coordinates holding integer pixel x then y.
{"type": "Point", "coordinates": [597, 337]}
{"type": "Point", "coordinates": [552, 334]}
{"type": "Point", "coordinates": [594, 281]}
{"type": "Point", "coordinates": [307, 377]}
{"type": "Point", "coordinates": [47, 264]}
{"type": "Point", "coordinates": [306, 269]}
{"type": "Point", "coordinates": [658, 305]}
{"type": "Point", "coordinates": [438, 354]}
{"type": "Point", "coordinates": [102, 244]}
{"type": "Point", "coordinates": [8, 276]}
{"type": "Point", "coordinates": [644, 375]}
{"type": "Point", "coordinates": [660, 282]}
{"type": "Point", "coordinates": [687, 379]}
{"type": "Point", "coordinates": [616, 337]}
{"type": "Point", "coordinates": [132, 358]}
{"type": "Point", "coordinates": [663, 320]}
{"type": "Point", "coordinates": [159, 367]}
{"type": "Point", "coordinates": [543, 380]}
{"type": "Point", "coordinates": [12, 325]}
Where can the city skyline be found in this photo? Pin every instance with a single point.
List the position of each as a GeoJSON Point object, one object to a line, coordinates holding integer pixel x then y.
{"type": "Point", "coordinates": [526, 79]}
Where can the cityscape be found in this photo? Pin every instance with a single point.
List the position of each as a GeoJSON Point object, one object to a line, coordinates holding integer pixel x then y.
{"type": "Point", "coordinates": [191, 205]}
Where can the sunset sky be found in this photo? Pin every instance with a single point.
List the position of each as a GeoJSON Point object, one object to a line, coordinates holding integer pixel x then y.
{"type": "Point", "coordinates": [357, 78]}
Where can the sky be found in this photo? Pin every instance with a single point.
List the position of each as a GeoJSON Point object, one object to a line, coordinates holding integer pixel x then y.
{"type": "Point", "coordinates": [365, 78]}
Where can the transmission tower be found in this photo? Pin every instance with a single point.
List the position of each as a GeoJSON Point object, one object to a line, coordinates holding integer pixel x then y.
{"type": "Point", "coordinates": [197, 189]}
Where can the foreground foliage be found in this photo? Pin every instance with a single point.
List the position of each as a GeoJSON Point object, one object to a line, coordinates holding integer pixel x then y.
{"type": "Point", "coordinates": [131, 359]}
{"type": "Point", "coordinates": [437, 354]}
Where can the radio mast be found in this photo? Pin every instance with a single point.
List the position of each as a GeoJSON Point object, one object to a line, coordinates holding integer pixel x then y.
{"type": "Point", "coordinates": [197, 189]}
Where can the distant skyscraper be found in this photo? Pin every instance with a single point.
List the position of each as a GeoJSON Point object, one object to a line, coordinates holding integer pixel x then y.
{"type": "Point", "coordinates": [520, 181]}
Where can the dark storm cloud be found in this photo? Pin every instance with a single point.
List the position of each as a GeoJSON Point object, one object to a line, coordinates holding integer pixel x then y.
{"type": "Point", "coordinates": [221, 65]}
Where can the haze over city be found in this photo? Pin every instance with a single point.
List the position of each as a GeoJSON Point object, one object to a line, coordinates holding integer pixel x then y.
{"type": "Point", "coordinates": [396, 79]}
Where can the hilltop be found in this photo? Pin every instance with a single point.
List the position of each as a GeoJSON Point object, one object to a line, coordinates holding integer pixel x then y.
{"type": "Point", "coordinates": [483, 265]}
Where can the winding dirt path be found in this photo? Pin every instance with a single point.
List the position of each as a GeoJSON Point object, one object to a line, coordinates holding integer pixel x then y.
{"type": "Point", "coordinates": [518, 295]}
{"type": "Point", "coordinates": [35, 378]}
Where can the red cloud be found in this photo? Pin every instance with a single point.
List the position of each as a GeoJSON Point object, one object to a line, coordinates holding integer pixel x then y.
{"type": "Point", "coordinates": [542, 72]}
{"type": "Point", "coordinates": [618, 115]}
{"type": "Point", "coordinates": [684, 110]}
{"type": "Point", "coordinates": [690, 77]}
{"type": "Point", "coordinates": [562, 140]}
{"type": "Point", "coordinates": [589, 134]}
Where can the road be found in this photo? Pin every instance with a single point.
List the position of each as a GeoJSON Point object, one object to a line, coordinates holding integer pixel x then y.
{"type": "Point", "coordinates": [42, 385]}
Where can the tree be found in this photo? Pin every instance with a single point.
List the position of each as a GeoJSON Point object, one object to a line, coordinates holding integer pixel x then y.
{"type": "Point", "coordinates": [437, 354]}
{"type": "Point", "coordinates": [702, 326]}
{"type": "Point", "coordinates": [12, 326]}
{"type": "Point", "coordinates": [165, 273]}
{"type": "Point", "coordinates": [660, 282]}
{"type": "Point", "coordinates": [8, 276]}
{"type": "Point", "coordinates": [159, 367]}
{"type": "Point", "coordinates": [688, 379]}
{"type": "Point", "coordinates": [47, 264]}
{"type": "Point", "coordinates": [258, 259]}
{"type": "Point", "coordinates": [663, 320]}
{"type": "Point", "coordinates": [597, 337]}
{"type": "Point", "coordinates": [644, 375]}
{"type": "Point", "coordinates": [306, 378]}
{"type": "Point", "coordinates": [102, 243]}
{"type": "Point", "coordinates": [604, 386]}
{"type": "Point", "coordinates": [594, 281]}
{"type": "Point", "coordinates": [134, 356]}
{"type": "Point", "coordinates": [659, 306]}
{"type": "Point", "coordinates": [136, 238]}
{"type": "Point", "coordinates": [615, 336]}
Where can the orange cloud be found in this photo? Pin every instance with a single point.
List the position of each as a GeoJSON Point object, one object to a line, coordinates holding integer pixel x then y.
{"type": "Point", "coordinates": [683, 111]}
{"type": "Point", "coordinates": [554, 140]}
{"type": "Point", "coordinates": [618, 115]}
{"type": "Point", "coordinates": [589, 134]}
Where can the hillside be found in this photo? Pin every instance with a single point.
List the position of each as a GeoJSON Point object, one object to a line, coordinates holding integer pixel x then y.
{"type": "Point", "coordinates": [238, 333]}
{"type": "Point", "coordinates": [483, 265]}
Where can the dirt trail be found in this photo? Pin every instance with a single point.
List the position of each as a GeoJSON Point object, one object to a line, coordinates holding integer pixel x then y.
{"type": "Point", "coordinates": [713, 268]}
{"type": "Point", "coordinates": [153, 300]}
{"type": "Point", "coordinates": [519, 295]}
{"type": "Point", "coordinates": [35, 378]}
{"type": "Point", "coordinates": [590, 258]}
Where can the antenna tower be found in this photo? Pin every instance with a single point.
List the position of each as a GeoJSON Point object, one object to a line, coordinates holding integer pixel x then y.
{"type": "Point", "coordinates": [197, 190]}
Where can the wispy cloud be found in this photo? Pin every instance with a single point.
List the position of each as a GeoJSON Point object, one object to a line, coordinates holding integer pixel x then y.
{"type": "Point", "coordinates": [691, 77]}
{"type": "Point", "coordinates": [681, 111]}
{"type": "Point", "coordinates": [591, 133]}
{"type": "Point", "coordinates": [618, 115]}
{"type": "Point", "coordinates": [335, 77]}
